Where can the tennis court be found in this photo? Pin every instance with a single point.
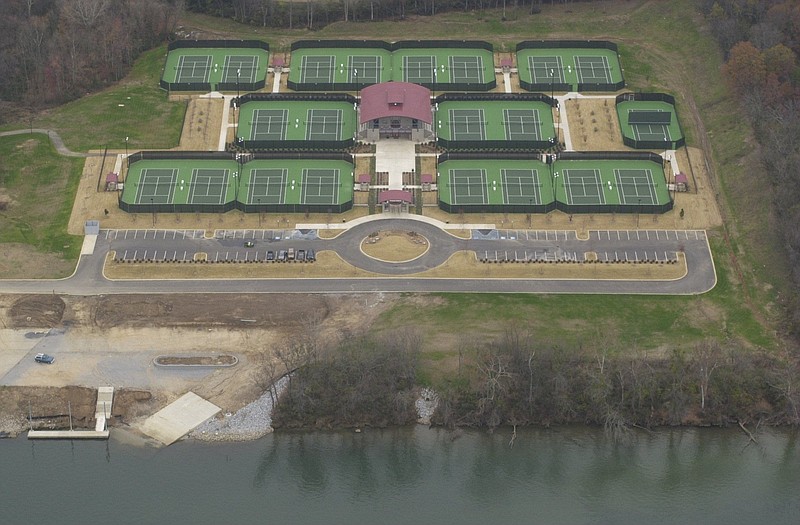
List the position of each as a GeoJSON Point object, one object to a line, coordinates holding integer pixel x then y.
{"type": "Point", "coordinates": [582, 186]}
{"type": "Point", "coordinates": [468, 186]}
{"type": "Point", "coordinates": [208, 186]}
{"type": "Point", "coordinates": [521, 186]}
{"type": "Point", "coordinates": [466, 69]}
{"type": "Point", "coordinates": [511, 124]}
{"type": "Point", "coordinates": [320, 186]}
{"type": "Point", "coordinates": [215, 185]}
{"type": "Point", "coordinates": [649, 124]}
{"type": "Point", "coordinates": [156, 186]}
{"type": "Point", "coordinates": [324, 124]}
{"type": "Point", "coordinates": [269, 124]}
{"type": "Point", "coordinates": [526, 184]}
{"type": "Point", "coordinates": [556, 68]}
{"type": "Point", "coordinates": [215, 68]}
{"type": "Point", "coordinates": [522, 124]}
{"type": "Point", "coordinates": [316, 69]}
{"type": "Point", "coordinates": [635, 186]}
{"type": "Point", "coordinates": [546, 69]}
{"type": "Point", "coordinates": [193, 69]}
{"type": "Point", "coordinates": [593, 70]}
{"type": "Point", "coordinates": [467, 124]}
{"type": "Point", "coordinates": [419, 69]}
{"type": "Point", "coordinates": [240, 68]}
{"type": "Point", "coordinates": [285, 123]}
{"type": "Point", "coordinates": [364, 69]}
{"type": "Point", "coordinates": [352, 68]}
{"type": "Point", "coordinates": [267, 186]}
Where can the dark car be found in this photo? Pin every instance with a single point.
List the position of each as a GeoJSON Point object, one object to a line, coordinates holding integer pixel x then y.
{"type": "Point", "coordinates": [44, 358]}
{"type": "Point", "coordinates": [301, 255]}
{"type": "Point", "coordinates": [249, 244]}
{"type": "Point", "coordinates": [270, 255]}
{"type": "Point", "coordinates": [311, 256]}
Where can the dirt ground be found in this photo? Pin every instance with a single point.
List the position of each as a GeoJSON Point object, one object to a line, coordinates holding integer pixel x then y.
{"type": "Point", "coordinates": [114, 339]}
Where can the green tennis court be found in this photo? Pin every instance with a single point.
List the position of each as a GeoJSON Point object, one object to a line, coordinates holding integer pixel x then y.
{"type": "Point", "coordinates": [575, 186]}
{"type": "Point", "coordinates": [229, 66]}
{"type": "Point", "coordinates": [320, 186]}
{"type": "Point", "coordinates": [191, 184]}
{"type": "Point", "coordinates": [279, 121]}
{"type": "Point", "coordinates": [511, 121]}
{"type": "Point", "coordinates": [494, 182]}
{"type": "Point", "coordinates": [545, 67]}
{"type": "Point", "coordinates": [364, 66]}
{"type": "Point", "coordinates": [267, 185]}
{"type": "Point", "coordinates": [652, 123]}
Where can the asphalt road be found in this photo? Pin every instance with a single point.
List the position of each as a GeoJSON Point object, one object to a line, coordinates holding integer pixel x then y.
{"type": "Point", "coordinates": [88, 278]}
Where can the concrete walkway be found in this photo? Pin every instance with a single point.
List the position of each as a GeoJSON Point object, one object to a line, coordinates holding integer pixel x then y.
{"type": "Point", "coordinates": [564, 121]}
{"type": "Point", "coordinates": [225, 124]}
{"type": "Point", "coordinates": [395, 156]}
{"type": "Point", "coordinates": [371, 218]}
{"type": "Point", "coordinates": [55, 138]}
{"type": "Point", "coordinates": [276, 81]}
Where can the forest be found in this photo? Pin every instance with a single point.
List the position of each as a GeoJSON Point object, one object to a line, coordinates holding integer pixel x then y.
{"type": "Point", "coordinates": [53, 51]}
{"type": "Point", "coordinates": [761, 41]}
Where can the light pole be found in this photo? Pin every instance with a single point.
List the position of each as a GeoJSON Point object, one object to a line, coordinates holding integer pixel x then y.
{"type": "Point", "coordinates": [238, 102]}
{"type": "Point", "coordinates": [126, 148]}
{"type": "Point", "coordinates": [259, 212]}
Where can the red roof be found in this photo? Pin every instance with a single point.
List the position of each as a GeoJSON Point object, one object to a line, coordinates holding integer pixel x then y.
{"type": "Point", "coordinates": [396, 99]}
{"type": "Point", "coordinates": [394, 196]}
{"type": "Point", "coordinates": [505, 62]}
{"type": "Point", "coordinates": [364, 177]}
{"type": "Point", "coordinates": [278, 62]}
{"type": "Point", "coordinates": [681, 177]}
{"type": "Point", "coordinates": [425, 177]}
{"type": "Point", "coordinates": [112, 177]}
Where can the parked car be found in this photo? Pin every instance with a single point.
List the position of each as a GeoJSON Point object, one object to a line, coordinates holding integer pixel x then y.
{"type": "Point", "coordinates": [311, 256]}
{"type": "Point", "coordinates": [290, 254]}
{"type": "Point", "coordinates": [249, 244]}
{"type": "Point", "coordinates": [44, 358]}
{"type": "Point", "coordinates": [301, 255]}
{"type": "Point", "coordinates": [282, 255]}
{"type": "Point", "coordinates": [270, 255]}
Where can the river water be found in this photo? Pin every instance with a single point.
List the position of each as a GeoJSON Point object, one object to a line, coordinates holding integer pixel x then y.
{"type": "Point", "coordinates": [410, 475]}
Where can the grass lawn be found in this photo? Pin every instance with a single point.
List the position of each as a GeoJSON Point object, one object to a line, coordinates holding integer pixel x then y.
{"type": "Point", "coordinates": [40, 186]}
{"type": "Point", "coordinates": [135, 108]}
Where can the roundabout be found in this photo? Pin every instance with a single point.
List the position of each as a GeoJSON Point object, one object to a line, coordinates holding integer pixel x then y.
{"type": "Point", "coordinates": [395, 246]}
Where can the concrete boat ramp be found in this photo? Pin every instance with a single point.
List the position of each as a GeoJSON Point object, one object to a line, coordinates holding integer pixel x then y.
{"type": "Point", "coordinates": [179, 418]}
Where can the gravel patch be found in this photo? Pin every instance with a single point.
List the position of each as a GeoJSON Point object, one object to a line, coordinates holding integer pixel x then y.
{"type": "Point", "coordinates": [426, 405]}
{"type": "Point", "coordinates": [251, 422]}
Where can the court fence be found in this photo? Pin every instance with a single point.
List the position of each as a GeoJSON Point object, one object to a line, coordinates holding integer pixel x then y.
{"type": "Point", "coordinates": [570, 44]}
{"type": "Point", "coordinates": [544, 144]}
{"type": "Point", "coordinates": [207, 86]}
{"type": "Point", "coordinates": [235, 204]}
{"type": "Point", "coordinates": [555, 205]}
{"type": "Point", "coordinates": [268, 145]}
{"type": "Point", "coordinates": [650, 144]}
{"type": "Point", "coordinates": [488, 85]}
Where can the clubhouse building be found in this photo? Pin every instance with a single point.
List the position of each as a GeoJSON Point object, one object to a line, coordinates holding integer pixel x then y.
{"type": "Point", "coordinates": [398, 110]}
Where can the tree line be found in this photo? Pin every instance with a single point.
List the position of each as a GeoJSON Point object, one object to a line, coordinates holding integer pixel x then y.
{"type": "Point", "coordinates": [761, 42]}
{"type": "Point", "coordinates": [52, 51]}
{"type": "Point", "coordinates": [315, 14]}
{"type": "Point", "coordinates": [518, 380]}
